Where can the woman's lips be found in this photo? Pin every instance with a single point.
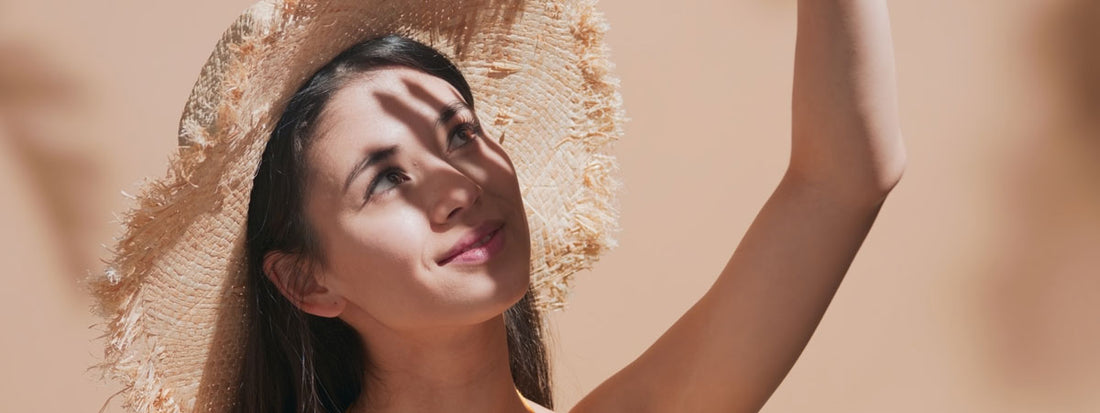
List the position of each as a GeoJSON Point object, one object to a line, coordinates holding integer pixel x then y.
{"type": "Point", "coordinates": [480, 249]}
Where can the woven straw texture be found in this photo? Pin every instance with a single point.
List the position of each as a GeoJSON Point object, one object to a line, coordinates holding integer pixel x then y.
{"type": "Point", "coordinates": [172, 293]}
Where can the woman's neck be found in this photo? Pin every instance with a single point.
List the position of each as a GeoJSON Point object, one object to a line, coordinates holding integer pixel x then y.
{"type": "Point", "coordinates": [463, 369]}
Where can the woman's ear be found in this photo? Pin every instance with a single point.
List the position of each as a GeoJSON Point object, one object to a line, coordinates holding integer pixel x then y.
{"type": "Point", "coordinates": [300, 286]}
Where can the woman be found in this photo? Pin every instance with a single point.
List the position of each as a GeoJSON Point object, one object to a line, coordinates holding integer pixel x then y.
{"type": "Point", "coordinates": [388, 254]}
{"type": "Point", "coordinates": [379, 174]}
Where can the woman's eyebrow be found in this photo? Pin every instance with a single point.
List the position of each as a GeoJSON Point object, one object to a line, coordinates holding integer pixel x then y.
{"type": "Point", "coordinates": [448, 112]}
{"type": "Point", "coordinates": [372, 158]}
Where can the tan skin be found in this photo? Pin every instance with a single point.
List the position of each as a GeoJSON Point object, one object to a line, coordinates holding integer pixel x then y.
{"type": "Point", "coordinates": [436, 330]}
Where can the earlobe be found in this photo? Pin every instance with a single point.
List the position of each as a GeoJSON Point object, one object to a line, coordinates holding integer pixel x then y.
{"type": "Point", "coordinates": [300, 287]}
{"type": "Point", "coordinates": [324, 304]}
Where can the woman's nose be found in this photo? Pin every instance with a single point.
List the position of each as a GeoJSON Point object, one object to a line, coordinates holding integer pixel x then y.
{"type": "Point", "coordinates": [452, 194]}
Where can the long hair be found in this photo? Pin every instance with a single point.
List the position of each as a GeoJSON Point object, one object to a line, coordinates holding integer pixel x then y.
{"type": "Point", "coordinates": [300, 363]}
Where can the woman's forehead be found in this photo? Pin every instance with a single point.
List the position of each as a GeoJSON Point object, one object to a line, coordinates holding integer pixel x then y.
{"type": "Point", "coordinates": [391, 94]}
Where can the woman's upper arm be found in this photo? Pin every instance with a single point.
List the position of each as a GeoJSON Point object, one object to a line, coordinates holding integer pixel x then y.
{"type": "Point", "coordinates": [730, 351]}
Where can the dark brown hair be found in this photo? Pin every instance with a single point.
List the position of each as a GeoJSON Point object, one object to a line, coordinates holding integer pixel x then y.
{"type": "Point", "coordinates": [296, 362]}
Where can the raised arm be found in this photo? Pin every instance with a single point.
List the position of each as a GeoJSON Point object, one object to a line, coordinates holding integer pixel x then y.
{"type": "Point", "coordinates": [731, 350]}
{"type": "Point", "coordinates": [845, 132]}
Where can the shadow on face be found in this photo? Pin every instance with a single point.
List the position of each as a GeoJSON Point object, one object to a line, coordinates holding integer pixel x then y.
{"type": "Point", "coordinates": [401, 180]}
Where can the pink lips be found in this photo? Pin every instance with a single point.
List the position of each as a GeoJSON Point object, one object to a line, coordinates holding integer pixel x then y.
{"type": "Point", "coordinates": [477, 246]}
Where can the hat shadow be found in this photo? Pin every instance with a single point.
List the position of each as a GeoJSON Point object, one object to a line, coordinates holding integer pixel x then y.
{"type": "Point", "coordinates": [458, 24]}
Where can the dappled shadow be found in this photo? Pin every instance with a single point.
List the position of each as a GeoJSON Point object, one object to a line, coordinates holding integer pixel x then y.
{"type": "Point", "coordinates": [36, 97]}
{"type": "Point", "coordinates": [1041, 292]}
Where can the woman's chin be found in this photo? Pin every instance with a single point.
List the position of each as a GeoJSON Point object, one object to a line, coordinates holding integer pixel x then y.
{"type": "Point", "coordinates": [496, 298]}
{"type": "Point", "coordinates": [502, 295]}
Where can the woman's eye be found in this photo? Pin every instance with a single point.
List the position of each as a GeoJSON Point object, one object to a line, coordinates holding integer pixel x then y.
{"type": "Point", "coordinates": [385, 181]}
{"type": "Point", "coordinates": [462, 134]}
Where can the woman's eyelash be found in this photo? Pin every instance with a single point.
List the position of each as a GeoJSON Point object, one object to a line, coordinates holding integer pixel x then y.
{"type": "Point", "coordinates": [394, 176]}
{"type": "Point", "coordinates": [470, 126]}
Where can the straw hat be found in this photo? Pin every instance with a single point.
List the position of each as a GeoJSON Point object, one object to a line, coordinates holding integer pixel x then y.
{"type": "Point", "coordinates": [173, 291]}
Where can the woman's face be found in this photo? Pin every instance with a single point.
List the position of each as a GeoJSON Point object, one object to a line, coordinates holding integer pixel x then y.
{"type": "Point", "coordinates": [401, 182]}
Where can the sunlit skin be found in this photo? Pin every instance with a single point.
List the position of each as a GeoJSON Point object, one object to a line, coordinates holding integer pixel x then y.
{"type": "Point", "coordinates": [435, 332]}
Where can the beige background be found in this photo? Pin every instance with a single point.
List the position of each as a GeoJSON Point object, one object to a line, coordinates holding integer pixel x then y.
{"type": "Point", "coordinates": [976, 291]}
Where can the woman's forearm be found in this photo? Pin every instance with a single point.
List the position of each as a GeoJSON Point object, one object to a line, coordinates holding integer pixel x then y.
{"type": "Point", "coordinates": [845, 131]}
